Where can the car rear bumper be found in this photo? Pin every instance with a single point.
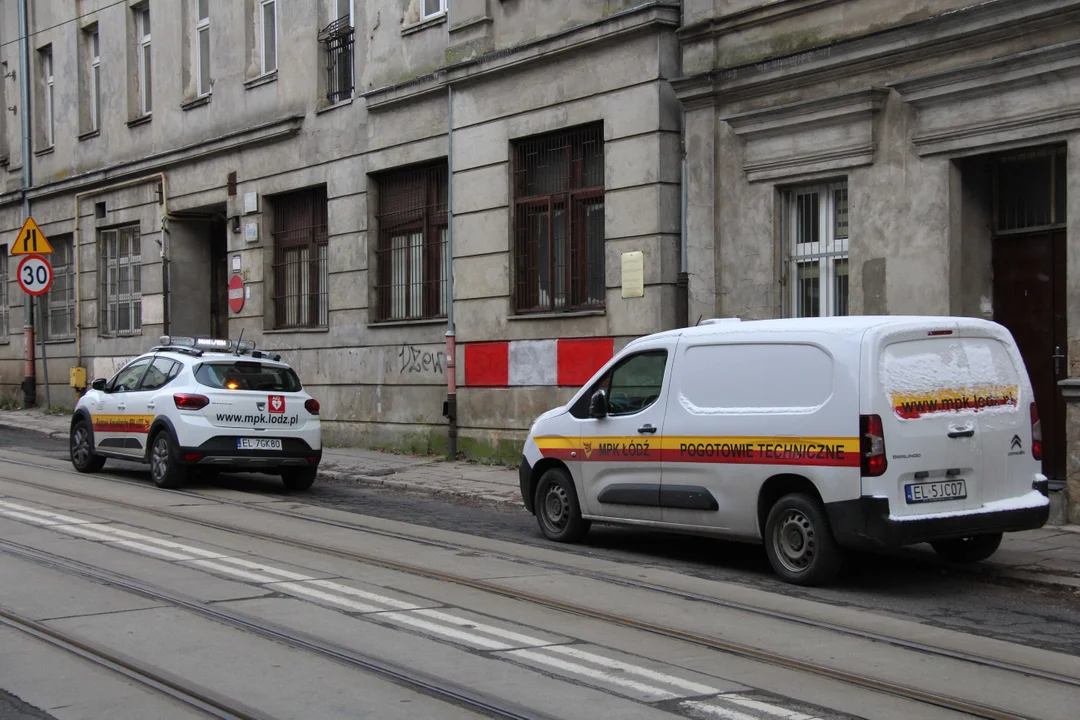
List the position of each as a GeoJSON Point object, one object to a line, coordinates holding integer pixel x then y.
{"type": "Point", "coordinates": [221, 452]}
{"type": "Point", "coordinates": [866, 521]}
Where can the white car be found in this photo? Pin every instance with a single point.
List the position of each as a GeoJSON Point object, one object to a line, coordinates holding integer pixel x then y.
{"type": "Point", "coordinates": [202, 404]}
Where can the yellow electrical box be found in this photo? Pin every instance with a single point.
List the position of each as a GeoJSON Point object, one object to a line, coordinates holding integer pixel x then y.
{"type": "Point", "coordinates": [78, 378]}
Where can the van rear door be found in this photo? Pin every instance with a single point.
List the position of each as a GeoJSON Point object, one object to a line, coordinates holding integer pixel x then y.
{"type": "Point", "coordinates": [931, 395]}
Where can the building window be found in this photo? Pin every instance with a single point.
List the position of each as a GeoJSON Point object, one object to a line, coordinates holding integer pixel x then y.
{"type": "Point", "coordinates": [559, 221]}
{"type": "Point", "coordinates": [433, 8]}
{"type": "Point", "coordinates": [300, 270]}
{"type": "Point", "coordinates": [5, 328]}
{"type": "Point", "coordinates": [48, 119]}
{"type": "Point", "coordinates": [121, 281]}
{"type": "Point", "coordinates": [202, 44]}
{"type": "Point", "coordinates": [58, 304]}
{"type": "Point", "coordinates": [1030, 190]}
{"type": "Point", "coordinates": [817, 267]}
{"type": "Point", "coordinates": [146, 89]}
{"type": "Point", "coordinates": [268, 18]}
{"type": "Point", "coordinates": [410, 257]}
{"type": "Point", "coordinates": [93, 79]}
{"type": "Point", "coordinates": [337, 37]}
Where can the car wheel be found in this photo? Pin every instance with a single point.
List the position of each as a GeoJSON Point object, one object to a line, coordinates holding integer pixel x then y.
{"type": "Point", "coordinates": [299, 478]}
{"type": "Point", "coordinates": [968, 550]}
{"type": "Point", "coordinates": [165, 470]}
{"type": "Point", "coordinates": [799, 542]}
{"type": "Point", "coordinates": [557, 508]}
{"type": "Point", "coordinates": [82, 457]}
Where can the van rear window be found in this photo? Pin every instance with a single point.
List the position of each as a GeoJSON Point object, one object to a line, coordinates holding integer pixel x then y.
{"type": "Point", "coordinates": [949, 376]}
{"type": "Point", "coordinates": [247, 375]}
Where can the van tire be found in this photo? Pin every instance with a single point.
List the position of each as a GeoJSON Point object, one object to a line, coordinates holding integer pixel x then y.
{"type": "Point", "coordinates": [799, 541]}
{"type": "Point", "coordinates": [557, 510]}
{"type": "Point", "coordinates": [299, 478]}
{"type": "Point", "coordinates": [968, 550]}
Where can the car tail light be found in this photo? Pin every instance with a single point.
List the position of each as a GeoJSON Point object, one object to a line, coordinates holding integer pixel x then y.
{"type": "Point", "coordinates": [1036, 433]}
{"type": "Point", "coordinates": [187, 401]}
{"type": "Point", "coordinates": [192, 457]}
{"type": "Point", "coordinates": [872, 446]}
{"type": "Point", "coordinates": [312, 406]}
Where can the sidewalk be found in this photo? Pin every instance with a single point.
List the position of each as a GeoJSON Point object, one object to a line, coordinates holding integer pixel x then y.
{"type": "Point", "coordinates": [1049, 556]}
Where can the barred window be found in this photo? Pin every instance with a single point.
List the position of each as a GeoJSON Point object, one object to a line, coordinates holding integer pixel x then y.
{"type": "Point", "coordinates": [559, 221]}
{"type": "Point", "coordinates": [119, 253]}
{"type": "Point", "coordinates": [300, 271]}
{"type": "Point", "coordinates": [58, 305]}
{"type": "Point", "coordinates": [410, 256]}
{"type": "Point", "coordinates": [5, 326]}
{"type": "Point", "coordinates": [817, 267]}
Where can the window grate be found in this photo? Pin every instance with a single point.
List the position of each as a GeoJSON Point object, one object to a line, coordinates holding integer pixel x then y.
{"type": "Point", "coordinates": [817, 254]}
{"type": "Point", "coordinates": [559, 221]}
{"type": "Point", "coordinates": [1029, 191]}
{"type": "Point", "coordinates": [120, 257]}
{"type": "Point", "coordinates": [338, 39]}
{"type": "Point", "coordinates": [300, 259]}
{"type": "Point", "coordinates": [411, 257]}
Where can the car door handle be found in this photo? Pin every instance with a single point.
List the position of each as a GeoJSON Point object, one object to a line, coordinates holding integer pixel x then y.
{"type": "Point", "coordinates": [970, 432]}
{"type": "Point", "coordinates": [149, 406]}
{"type": "Point", "coordinates": [121, 406]}
{"type": "Point", "coordinates": [646, 429]}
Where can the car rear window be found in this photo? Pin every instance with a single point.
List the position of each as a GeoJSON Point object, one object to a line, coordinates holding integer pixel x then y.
{"type": "Point", "coordinates": [247, 375]}
{"type": "Point", "coordinates": [949, 376]}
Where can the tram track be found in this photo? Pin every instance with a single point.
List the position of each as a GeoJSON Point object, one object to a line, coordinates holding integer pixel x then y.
{"type": "Point", "coordinates": [880, 685]}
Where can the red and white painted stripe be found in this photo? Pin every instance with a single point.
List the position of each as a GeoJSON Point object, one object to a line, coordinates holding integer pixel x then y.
{"type": "Point", "coordinates": [518, 363]}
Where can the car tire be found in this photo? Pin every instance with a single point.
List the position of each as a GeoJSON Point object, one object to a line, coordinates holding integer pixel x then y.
{"type": "Point", "coordinates": [557, 508]}
{"type": "Point", "coordinates": [165, 469]}
{"type": "Point", "coordinates": [299, 478]}
{"type": "Point", "coordinates": [81, 443]}
{"type": "Point", "coordinates": [799, 541]}
{"type": "Point", "coordinates": [968, 550]}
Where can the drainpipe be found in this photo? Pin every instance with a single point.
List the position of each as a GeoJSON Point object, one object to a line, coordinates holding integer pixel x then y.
{"type": "Point", "coordinates": [451, 349]}
{"type": "Point", "coordinates": [682, 282]}
{"type": "Point", "coordinates": [29, 379]}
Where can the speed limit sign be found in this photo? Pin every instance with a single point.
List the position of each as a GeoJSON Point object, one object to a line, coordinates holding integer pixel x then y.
{"type": "Point", "coordinates": [35, 275]}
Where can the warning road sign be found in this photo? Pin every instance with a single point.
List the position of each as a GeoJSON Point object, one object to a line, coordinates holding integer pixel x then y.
{"type": "Point", "coordinates": [31, 240]}
{"type": "Point", "coordinates": [35, 275]}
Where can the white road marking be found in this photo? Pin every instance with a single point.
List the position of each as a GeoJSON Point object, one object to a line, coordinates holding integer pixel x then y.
{"type": "Point", "coordinates": [717, 711]}
{"type": "Point", "coordinates": [81, 531]}
{"type": "Point", "coordinates": [381, 599]}
{"type": "Point", "coordinates": [678, 682]}
{"type": "Point", "coordinates": [197, 552]}
{"type": "Point", "coordinates": [297, 589]}
{"type": "Point", "coordinates": [27, 518]}
{"type": "Point", "coordinates": [489, 629]}
{"type": "Point", "coordinates": [479, 641]}
{"type": "Point", "coordinates": [287, 574]}
{"type": "Point", "coordinates": [575, 669]}
{"type": "Point", "coordinates": [752, 704]}
{"type": "Point", "coordinates": [47, 514]}
{"type": "Point", "coordinates": [236, 572]}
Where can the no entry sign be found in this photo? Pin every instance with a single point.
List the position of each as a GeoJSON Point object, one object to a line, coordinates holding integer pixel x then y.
{"type": "Point", "coordinates": [236, 293]}
{"type": "Point", "coordinates": [35, 275]}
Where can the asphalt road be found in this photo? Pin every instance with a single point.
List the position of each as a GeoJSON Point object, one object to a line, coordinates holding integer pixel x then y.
{"type": "Point", "coordinates": [909, 584]}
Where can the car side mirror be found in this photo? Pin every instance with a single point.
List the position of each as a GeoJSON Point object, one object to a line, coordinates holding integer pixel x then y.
{"type": "Point", "coordinates": [598, 405]}
{"type": "Point", "coordinates": [99, 384]}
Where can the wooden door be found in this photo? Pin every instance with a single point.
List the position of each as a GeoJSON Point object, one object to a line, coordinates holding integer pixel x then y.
{"type": "Point", "coordinates": [1029, 299]}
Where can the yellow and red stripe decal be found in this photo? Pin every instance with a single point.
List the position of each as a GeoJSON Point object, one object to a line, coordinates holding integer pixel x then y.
{"type": "Point", "coordinates": [981, 397]}
{"type": "Point", "coordinates": [122, 423]}
{"type": "Point", "coordinates": [820, 452]}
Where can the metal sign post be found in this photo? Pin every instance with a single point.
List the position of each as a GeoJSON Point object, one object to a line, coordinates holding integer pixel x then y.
{"type": "Point", "coordinates": [44, 357]}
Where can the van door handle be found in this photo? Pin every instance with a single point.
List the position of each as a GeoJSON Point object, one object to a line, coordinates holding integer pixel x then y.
{"type": "Point", "coordinates": [646, 429]}
{"type": "Point", "coordinates": [121, 406]}
{"type": "Point", "coordinates": [970, 432]}
{"type": "Point", "coordinates": [150, 406]}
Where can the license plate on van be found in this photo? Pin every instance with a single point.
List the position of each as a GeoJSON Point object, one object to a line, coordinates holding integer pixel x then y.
{"type": "Point", "coordinates": [258, 444]}
{"type": "Point", "coordinates": [936, 491]}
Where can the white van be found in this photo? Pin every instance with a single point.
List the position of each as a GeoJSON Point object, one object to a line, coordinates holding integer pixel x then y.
{"type": "Point", "coordinates": [811, 435]}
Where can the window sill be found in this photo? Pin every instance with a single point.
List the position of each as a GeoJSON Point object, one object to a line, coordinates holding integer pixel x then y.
{"type": "Point", "coordinates": [60, 341]}
{"type": "Point", "coordinates": [287, 331]}
{"type": "Point", "coordinates": [141, 120]}
{"type": "Point", "coordinates": [335, 106]}
{"type": "Point", "coordinates": [557, 315]}
{"type": "Point", "coordinates": [89, 135]}
{"type": "Point", "coordinates": [431, 22]}
{"type": "Point", "coordinates": [264, 79]}
{"type": "Point", "coordinates": [197, 102]}
{"type": "Point", "coordinates": [407, 323]}
{"type": "Point", "coordinates": [47, 151]}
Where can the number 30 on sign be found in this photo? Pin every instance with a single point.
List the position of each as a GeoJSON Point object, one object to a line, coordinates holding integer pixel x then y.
{"type": "Point", "coordinates": [35, 275]}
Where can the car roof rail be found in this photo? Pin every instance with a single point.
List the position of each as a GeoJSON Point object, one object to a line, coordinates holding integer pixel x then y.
{"type": "Point", "coordinates": [177, 349]}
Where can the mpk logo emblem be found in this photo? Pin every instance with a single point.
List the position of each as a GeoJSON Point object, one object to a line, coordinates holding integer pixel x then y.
{"type": "Point", "coordinates": [588, 449]}
{"type": "Point", "coordinates": [277, 404]}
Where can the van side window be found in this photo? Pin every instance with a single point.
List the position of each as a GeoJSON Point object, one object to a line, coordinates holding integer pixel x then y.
{"type": "Point", "coordinates": [635, 384]}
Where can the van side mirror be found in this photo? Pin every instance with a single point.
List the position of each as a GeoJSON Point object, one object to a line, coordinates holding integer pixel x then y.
{"type": "Point", "coordinates": [99, 384]}
{"type": "Point", "coordinates": [598, 405]}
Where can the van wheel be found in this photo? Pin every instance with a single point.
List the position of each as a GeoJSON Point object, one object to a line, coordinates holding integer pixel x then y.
{"type": "Point", "coordinates": [799, 542]}
{"type": "Point", "coordinates": [968, 550]}
{"type": "Point", "coordinates": [299, 478]}
{"type": "Point", "coordinates": [557, 508]}
{"type": "Point", "coordinates": [165, 471]}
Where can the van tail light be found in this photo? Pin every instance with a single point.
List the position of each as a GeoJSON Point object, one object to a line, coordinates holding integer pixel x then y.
{"type": "Point", "coordinates": [312, 406]}
{"type": "Point", "coordinates": [187, 401]}
{"type": "Point", "coordinates": [1036, 433]}
{"type": "Point", "coordinates": [872, 446]}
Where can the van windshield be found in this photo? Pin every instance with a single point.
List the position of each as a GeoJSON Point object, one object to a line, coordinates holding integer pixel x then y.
{"type": "Point", "coordinates": [949, 376]}
{"type": "Point", "coordinates": [247, 375]}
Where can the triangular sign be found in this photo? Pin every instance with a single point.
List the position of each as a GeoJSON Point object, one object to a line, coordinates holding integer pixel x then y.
{"type": "Point", "coordinates": [31, 240]}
